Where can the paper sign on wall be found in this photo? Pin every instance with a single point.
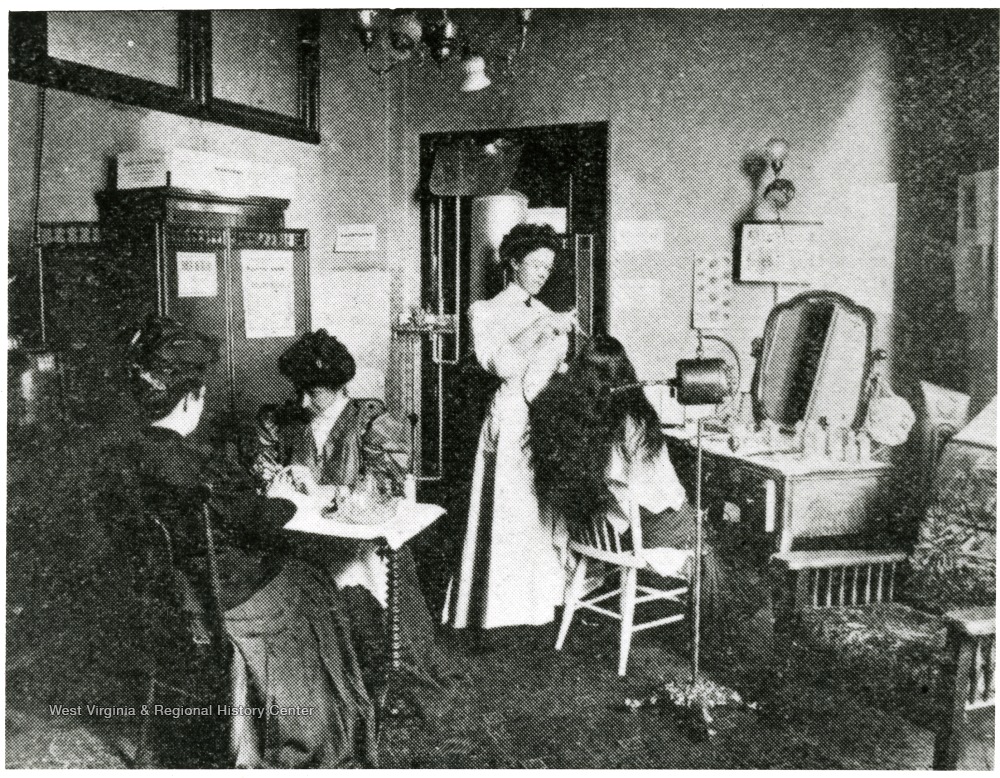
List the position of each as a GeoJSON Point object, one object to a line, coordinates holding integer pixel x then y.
{"type": "Point", "coordinates": [639, 236]}
{"type": "Point", "coordinates": [269, 293]}
{"type": "Point", "coordinates": [356, 237]}
{"type": "Point", "coordinates": [712, 306]}
{"type": "Point", "coordinates": [197, 274]}
{"type": "Point", "coordinates": [779, 252]}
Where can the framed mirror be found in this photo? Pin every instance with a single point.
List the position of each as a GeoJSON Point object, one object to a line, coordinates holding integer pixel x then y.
{"type": "Point", "coordinates": [267, 63]}
{"type": "Point", "coordinates": [813, 361]}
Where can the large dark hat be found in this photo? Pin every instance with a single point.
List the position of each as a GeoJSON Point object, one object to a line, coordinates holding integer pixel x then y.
{"type": "Point", "coordinates": [166, 358]}
{"type": "Point", "coordinates": [317, 359]}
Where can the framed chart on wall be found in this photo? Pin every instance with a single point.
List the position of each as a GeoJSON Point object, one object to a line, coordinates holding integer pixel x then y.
{"type": "Point", "coordinates": [778, 252]}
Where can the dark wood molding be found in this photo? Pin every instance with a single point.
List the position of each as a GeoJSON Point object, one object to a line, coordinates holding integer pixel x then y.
{"type": "Point", "coordinates": [29, 61]}
{"type": "Point", "coordinates": [308, 83]}
{"type": "Point", "coordinates": [195, 55]}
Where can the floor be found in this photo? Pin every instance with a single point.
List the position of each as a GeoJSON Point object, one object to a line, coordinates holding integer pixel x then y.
{"type": "Point", "coordinates": [523, 704]}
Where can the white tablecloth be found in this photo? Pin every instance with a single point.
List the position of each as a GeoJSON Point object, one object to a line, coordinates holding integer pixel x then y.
{"type": "Point", "coordinates": [408, 521]}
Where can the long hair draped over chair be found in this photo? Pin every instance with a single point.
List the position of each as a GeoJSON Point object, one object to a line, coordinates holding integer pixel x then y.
{"type": "Point", "coordinates": [576, 420]}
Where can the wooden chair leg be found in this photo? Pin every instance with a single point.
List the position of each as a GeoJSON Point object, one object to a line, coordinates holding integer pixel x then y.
{"type": "Point", "coordinates": [573, 597]}
{"type": "Point", "coordinates": [143, 753]}
{"type": "Point", "coordinates": [953, 691]}
{"type": "Point", "coordinates": [244, 747]}
{"type": "Point", "coordinates": [630, 579]}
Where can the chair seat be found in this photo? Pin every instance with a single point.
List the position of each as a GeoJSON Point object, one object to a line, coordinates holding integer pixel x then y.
{"type": "Point", "coordinates": [891, 651]}
{"type": "Point", "coordinates": [669, 562]}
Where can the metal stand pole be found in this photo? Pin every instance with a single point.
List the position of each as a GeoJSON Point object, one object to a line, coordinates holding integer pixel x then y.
{"type": "Point", "coordinates": [696, 642]}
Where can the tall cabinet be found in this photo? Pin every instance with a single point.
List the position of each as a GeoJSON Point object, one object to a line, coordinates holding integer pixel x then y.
{"type": "Point", "coordinates": [226, 266]}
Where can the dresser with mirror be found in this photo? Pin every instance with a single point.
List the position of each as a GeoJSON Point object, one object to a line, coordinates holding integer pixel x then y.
{"type": "Point", "coordinates": [813, 365]}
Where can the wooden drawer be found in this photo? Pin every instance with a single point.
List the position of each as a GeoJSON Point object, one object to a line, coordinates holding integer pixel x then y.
{"type": "Point", "coordinates": [835, 504]}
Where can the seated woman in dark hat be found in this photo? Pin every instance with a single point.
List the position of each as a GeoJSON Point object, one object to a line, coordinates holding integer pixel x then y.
{"type": "Point", "coordinates": [282, 618]}
{"type": "Point", "coordinates": [326, 437]}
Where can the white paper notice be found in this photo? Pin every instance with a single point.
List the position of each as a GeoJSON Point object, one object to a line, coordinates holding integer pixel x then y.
{"type": "Point", "coordinates": [780, 253]}
{"type": "Point", "coordinates": [268, 293]}
{"type": "Point", "coordinates": [356, 237]}
{"type": "Point", "coordinates": [197, 274]}
{"type": "Point", "coordinates": [713, 292]}
{"type": "Point", "coordinates": [640, 236]}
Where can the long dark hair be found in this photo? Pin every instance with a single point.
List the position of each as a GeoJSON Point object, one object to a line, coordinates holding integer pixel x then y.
{"type": "Point", "coordinates": [577, 420]}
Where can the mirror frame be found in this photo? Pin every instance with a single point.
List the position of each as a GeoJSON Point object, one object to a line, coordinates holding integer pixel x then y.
{"type": "Point", "coordinates": [29, 60]}
{"type": "Point", "coordinates": [761, 347]}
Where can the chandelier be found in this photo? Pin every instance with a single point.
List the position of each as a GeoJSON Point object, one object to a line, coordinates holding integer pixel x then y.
{"type": "Point", "coordinates": [406, 36]}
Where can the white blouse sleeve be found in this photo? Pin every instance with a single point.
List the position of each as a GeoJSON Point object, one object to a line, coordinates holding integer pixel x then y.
{"type": "Point", "coordinates": [655, 483]}
{"type": "Point", "coordinates": [545, 362]}
{"type": "Point", "coordinates": [493, 348]}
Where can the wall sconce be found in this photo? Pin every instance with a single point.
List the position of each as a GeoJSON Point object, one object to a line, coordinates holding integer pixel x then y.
{"type": "Point", "coordinates": [440, 36]}
{"type": "Point", "coordinates": [780, 192]}
{"type": "Point", "coordinates": [777, 150]}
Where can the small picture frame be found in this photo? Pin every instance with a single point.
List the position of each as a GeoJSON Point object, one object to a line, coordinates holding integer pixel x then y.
{"type": "Point", "coordinates": [778, 252]}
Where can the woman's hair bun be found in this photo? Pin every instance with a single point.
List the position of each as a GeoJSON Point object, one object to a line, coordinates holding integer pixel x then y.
{"type": "Point", "coordinates": [525, 238]}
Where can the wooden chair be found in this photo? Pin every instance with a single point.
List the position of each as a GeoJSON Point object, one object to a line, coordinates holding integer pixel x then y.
{"type": "Point", "coordinates": [601, 542]}
{"type": "Point", "coordinates": [178, 650]}
{"type": "Point", "coordinates": [889, 618]}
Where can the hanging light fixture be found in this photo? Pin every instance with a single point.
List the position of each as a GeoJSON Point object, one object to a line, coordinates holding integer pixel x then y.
{"type": "Point", "coordinates": [405, 33]}
{"type": "Point", "coordinates": [439, 35]}
{"type": "Point", "coordinates": [474, 76]}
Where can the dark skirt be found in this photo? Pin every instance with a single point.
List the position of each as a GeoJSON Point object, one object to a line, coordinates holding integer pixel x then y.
{"type": "Point", "coordinates": [735, 594]}
{"type": "Point", "coordinates": [425, 677]}
{"type": "Point", "coordinates": [293, 650]}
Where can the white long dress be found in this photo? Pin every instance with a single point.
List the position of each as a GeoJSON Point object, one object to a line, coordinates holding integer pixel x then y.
{"type": "Point", "coordinates": [513, 568]}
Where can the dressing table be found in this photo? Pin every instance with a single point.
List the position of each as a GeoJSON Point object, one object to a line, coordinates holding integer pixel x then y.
{"type": "Point", "coordinates": [795, 501]}
{"type": "Point", "coordinates": [813, 364]}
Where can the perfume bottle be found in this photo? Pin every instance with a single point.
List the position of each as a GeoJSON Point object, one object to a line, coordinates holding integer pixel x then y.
{"type": "Point", "coordinates": [850, 445]}
{"type": "Point", "coordinates": [835, 444]}
{"type": "Point", "coordinates": [864, 446]}
{"type": "Point", "coordinates": [799, 442]}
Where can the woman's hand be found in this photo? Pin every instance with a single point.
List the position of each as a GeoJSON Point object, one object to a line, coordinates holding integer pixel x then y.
{"type": "Point", "coordinates": [294, 479]}
{"type": "Point", "coordinates": [555, 324]}
{"type": "Point", "coordinates": [564, 323]}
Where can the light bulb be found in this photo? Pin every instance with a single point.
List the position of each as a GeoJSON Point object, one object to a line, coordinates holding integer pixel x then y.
{"type": "Point", "coordinates": [474, 78]}
{"type": "Point", "coordinates": [777, 150]}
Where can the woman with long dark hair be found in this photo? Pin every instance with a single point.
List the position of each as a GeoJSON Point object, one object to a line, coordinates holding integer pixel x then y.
{"type": "Point", "coordinates": [596, 449]}
{"type": "Point", "coordinates": [595, 443]}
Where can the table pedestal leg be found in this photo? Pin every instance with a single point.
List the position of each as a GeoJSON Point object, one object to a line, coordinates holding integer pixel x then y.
{"type": "Point", "coordinates": [393, 702]}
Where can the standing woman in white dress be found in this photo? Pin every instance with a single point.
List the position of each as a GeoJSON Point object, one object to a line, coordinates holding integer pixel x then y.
{"type": "Point", "coordinates": [513, 564]}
